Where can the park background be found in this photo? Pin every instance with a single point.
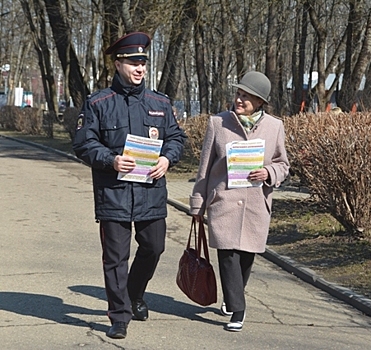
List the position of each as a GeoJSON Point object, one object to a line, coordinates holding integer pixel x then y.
{"type": "Point", "coordinates": [316, 53]}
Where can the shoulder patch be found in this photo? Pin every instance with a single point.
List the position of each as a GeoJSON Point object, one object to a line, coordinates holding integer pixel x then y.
{"type": "Point", "coordinates": [100, 95]}
{"type": "Point", "coordinates": [161, 93]}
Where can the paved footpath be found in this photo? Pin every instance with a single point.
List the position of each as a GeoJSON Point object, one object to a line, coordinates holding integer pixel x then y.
{"type": "Point", "coordinates": [51, 280]}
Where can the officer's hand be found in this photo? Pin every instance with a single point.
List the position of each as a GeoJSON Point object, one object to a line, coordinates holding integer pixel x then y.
{"type": "Point", "coordinates": [124, 164]}
{"type": "Point", "coordinates": [160, 169]}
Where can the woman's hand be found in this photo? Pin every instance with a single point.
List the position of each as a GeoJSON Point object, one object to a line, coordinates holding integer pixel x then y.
{"type": "Point", "coordinates": [258, 175]}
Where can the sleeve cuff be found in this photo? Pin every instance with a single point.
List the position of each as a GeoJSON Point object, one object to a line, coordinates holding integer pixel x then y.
{"type": "Point", "coordinates": [108, 163]}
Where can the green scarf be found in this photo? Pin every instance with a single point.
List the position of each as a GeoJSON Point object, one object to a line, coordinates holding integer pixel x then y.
{"type": "Point", "coordinates": [248, 121]}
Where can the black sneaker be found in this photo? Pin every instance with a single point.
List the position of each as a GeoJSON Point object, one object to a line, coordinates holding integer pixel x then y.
{"type": "Point", "coordinates": [118, 330]}
{"type": "Point", "coordinates": [140, 310]}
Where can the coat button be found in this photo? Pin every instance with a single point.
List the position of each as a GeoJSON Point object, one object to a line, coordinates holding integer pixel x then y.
{"type": "Point", "coordinates": [239, 202]}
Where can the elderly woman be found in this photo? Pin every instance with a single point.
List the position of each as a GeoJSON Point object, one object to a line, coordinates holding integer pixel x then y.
{"type": "Point", "coordinates": [239, 216]}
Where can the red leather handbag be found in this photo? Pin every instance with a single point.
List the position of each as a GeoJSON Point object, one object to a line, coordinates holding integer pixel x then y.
{"type": "Point", "coordinates": [196, 277]}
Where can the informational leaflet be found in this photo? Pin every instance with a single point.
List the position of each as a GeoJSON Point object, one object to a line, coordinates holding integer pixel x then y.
{"type": "Point", "coordinates": [243, 157]}
{"type": "Point", "coordinates": [146, 152]}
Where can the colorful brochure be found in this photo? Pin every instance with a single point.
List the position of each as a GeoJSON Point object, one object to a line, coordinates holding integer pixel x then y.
{"type": "Point", "coordinates": [146, 152]}
{"type": "Point", "coordinates": [243, 157]}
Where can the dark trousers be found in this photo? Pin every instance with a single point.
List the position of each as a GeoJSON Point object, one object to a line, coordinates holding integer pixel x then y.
{"type": "Point", "coordinates": [234, 269]}
{"type": "Point", "coordinates": [121, 285]}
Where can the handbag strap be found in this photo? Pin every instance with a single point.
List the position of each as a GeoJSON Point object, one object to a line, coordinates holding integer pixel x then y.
{"type": "Point", "coordinates": [202, 241]}
{"type": "Point", "coordinates": [192, 230]}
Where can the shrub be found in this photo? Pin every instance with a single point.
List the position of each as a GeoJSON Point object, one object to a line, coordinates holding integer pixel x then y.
{"type": "Point", "coordinates": [70, 116]}
{"type": "Point", "coordinates": [25, 120]}
{"type": "Point", "coordinates": [332, 155]}
{"type": "Point", "coordinates": [29, 121]}
{"type": "Point", "coordinates": [7, 117]}
{"type": "Point", "coordinates": [195, 129]}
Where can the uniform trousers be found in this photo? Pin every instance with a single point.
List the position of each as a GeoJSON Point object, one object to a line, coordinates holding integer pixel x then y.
{"type": "Point", "coordinates": [234, 269]}
{"type": "Point", "coordinates": [123, 286]}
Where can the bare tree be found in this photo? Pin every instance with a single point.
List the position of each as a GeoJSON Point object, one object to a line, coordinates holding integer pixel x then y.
{"type": "Point", "coordinates": [66, 52]}
{"type": "Point", "coordinates": [271, 53]}
{"type": "Point", "coordinates": [91, 61]}
{"type": "Point", "coordinates": [222, 40]}
{"type": "Point", "coordinates": [40, 43]}
{"type": "Point", "coordinates": [358, 40]}
{"type": "Point", "coordinates": [220, 58]}
{"type": "Point", "coordinates": [200, 54]}
{"type": "Point", "coordinates": [320, 28]}
{"type": "Point", "coordinates": [180, 31]}
{"type": "Point", "coordinates": [298, 56]}
{"type": "Point", "coordinates": [20, 66]}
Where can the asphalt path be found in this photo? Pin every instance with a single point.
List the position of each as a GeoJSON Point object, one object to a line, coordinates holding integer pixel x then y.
{"type": "Point", "coordinates": [51, 280]}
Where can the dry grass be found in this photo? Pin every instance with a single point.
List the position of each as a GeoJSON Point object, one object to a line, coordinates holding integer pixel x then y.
{"type": "Point", "coordinates": [60, 140]}
{"type": "Point", "coordinates": [302, 230]}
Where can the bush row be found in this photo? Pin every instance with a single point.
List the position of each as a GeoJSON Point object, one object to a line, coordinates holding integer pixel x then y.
{"type": "Point", "coordinates": [33, 121]}
{"type": "Point", "coordinates": [331, 154]}
{"type": "Point", "coordinates": [27, 120]}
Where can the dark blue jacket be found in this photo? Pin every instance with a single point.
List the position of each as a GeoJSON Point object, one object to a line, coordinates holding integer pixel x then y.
{"type": "Point", "coordinates": [106, 119]}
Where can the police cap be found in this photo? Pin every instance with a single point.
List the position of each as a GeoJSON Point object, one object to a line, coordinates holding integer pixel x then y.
{"type": "Point", "coordinates": [132, 46]}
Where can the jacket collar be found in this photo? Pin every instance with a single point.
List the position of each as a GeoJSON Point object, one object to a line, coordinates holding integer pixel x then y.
{"type": "Point", "coordinates": [234, 116]}
{"type": "Point", "coordinates": [127, 90]}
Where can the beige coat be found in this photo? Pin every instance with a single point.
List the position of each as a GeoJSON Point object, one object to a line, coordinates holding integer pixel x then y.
{"type": "Point", "coordinates": [238, 218]}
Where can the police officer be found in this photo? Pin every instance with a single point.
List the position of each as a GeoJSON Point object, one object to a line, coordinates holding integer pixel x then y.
{"type": "Point", "coordinates": [107, 117]}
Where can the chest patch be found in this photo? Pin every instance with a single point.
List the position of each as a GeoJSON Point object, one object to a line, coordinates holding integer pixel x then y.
{"type": "Point", "coordinates": [80, 122]}
{"type": "Point", "coordinates": [156, 113]}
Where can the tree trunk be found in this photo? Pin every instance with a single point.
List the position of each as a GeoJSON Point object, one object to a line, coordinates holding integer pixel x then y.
{"type": "Point", "coordinates": [43, 54]}
{"type": "Point", "coordinates": [361, 66]}
{"type": "Point", "coordinates": [126, 17]}
{"type": "Point", "coordinates": [239, 41]}
{"type": "Point", "coordinates": [203, 85]}
{"type": "Point", "coordinates": [320, 88]}
{"type": "Point", "coordinates": [298, 58]}
{"type": "Point", "coordinates": [220, 58]}
{"type": "Point", "coordinates": [181, 29]}
{"type": "Point", "coordinates": [271, 56]}
{"type": "Point", "coordinates": [23, 52]}
{"type": "Point", "coordinates": [66, 52]}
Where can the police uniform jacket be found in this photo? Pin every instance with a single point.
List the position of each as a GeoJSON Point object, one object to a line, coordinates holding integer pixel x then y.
{"type": "Point", "coordinates": [107, 117]}
{"type": "Point", "coordinates": [238, 218]}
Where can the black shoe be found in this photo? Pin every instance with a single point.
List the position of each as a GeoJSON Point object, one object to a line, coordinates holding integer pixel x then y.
{"type": "Point", "coordinates": [140, 309]}
{"type": "Point", "coordinates": [117, 330]}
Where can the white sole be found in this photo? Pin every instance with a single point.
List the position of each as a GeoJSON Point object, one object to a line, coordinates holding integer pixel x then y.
{"type": "Point", "coordinates": [235, 326]}
{"type": "Point", "coordinates": [223, 310]}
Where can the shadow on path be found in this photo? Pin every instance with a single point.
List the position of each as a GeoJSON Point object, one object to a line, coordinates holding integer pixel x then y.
{"type": "Point", "coordinates": [159, 303]}
{"type": "Point", "coordinates": [48, 308]}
